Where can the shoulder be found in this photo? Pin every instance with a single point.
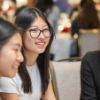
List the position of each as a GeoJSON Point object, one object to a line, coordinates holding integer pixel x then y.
{"type": "Point", "coordinates": [91, 60]}
{"type": "Point", "coordinates": [92, 56]}
{"type": "Point", "coordinates": [8, 85]}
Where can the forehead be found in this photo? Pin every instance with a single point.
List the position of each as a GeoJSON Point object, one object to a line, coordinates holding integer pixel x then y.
{"type": "Point", "coordinates": [39, 22]}
{"type": "Point", "coordinates": [15, 40]}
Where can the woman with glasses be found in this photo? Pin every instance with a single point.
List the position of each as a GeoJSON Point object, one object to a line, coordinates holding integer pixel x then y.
{"type": "Point", "coordinates": [10, 49]}
{"type": "Point", "coordinates": [33, 82]}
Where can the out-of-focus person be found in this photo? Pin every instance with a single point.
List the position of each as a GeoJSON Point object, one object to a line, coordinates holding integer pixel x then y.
{"type": "Point", "coordinates": [87, 17]}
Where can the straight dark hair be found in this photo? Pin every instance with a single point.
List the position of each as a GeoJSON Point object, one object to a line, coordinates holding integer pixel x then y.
{"type": "Point", "coordinates": [24, 20]}
{"type": "Point", "coordinates": [88, 18]}
{"type": "Point", "coordinates": [7, 30]}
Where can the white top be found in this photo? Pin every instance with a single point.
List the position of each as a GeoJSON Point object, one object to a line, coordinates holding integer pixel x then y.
{"type": "Point", "coordinates": [13, 85]}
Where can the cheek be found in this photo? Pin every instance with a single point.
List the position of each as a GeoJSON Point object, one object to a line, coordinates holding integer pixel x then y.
{"type": "Point", "coordinates": [8, 59]}
{"type": "Point", "coordinates": [6, 65]}
{"type": "Point", "coordinates": [48, 40]}
{"type": "Point", "coordinates": [29, 43]}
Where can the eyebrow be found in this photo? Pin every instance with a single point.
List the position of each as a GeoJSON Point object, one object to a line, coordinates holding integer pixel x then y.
{"type": "Point", "coordinates": [37, 26]}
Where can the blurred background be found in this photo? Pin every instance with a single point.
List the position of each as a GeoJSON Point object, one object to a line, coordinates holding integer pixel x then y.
{"type": "Point", "coordinates": [76, 24]}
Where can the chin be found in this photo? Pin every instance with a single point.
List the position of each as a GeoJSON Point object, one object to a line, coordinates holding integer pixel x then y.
{"type": "Point", "coordinates": [41, 51]}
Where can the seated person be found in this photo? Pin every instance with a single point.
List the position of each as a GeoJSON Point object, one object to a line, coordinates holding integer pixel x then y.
{"type": "Point", "coordinates": [90, 76]}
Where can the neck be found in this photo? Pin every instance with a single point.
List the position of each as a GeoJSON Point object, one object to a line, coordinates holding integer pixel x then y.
{"type": "Point", "coordinates": [30, 57]}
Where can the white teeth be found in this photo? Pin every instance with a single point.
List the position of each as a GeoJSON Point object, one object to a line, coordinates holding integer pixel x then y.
{"type": "Point", "coordinates": [40, 43]}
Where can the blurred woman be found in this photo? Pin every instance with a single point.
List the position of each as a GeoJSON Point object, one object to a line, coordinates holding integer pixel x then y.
{"type": "Point", "coordinates": [87, 17]}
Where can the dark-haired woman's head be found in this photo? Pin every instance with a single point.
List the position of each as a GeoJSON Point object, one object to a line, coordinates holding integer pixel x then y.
{"type": "Point", "coordinates": [37, 36]}
{"type": "Point", "coordinates": [10, 49]}
{"type": "Point", "coordinates": [88, 16]}
{"type": "Point", "coordinates": [35, 29]}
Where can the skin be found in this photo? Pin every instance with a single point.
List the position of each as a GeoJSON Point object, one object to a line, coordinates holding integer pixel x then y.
{"type": "Point", "coordinates": [10, 56]}
{"type": "Point", "coordinates": [34, 47]}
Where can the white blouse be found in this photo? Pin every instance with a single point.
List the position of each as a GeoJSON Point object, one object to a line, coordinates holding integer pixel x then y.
{"type": "Point", "coordinates": [13, 85]}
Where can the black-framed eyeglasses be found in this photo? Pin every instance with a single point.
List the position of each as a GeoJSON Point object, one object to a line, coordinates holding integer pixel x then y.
{"type": "Point", "coordinates": [35, 32]}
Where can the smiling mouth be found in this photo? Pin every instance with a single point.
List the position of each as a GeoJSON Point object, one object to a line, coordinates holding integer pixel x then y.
{"type": "Point", "coordinates": [40, 44]}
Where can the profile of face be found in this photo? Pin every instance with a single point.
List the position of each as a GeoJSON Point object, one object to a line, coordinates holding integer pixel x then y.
{"type": "Point", "coordinates": [10, 56]}
{"type": "Point", "coordinates": [37, 36]}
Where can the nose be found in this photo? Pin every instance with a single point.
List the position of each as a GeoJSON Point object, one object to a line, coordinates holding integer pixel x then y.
{"type": "Point", "coordinates": [20, 57]}
{"type": "Point", "coordinates": [41, 35]}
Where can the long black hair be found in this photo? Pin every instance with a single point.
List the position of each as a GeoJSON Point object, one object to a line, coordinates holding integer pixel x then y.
{"type": "Point", "coordinates": [7, 30]}
{"type": "Point", "coordinates": [24, 20]}
{"type": "Point", "coordinates": [88, 18]}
